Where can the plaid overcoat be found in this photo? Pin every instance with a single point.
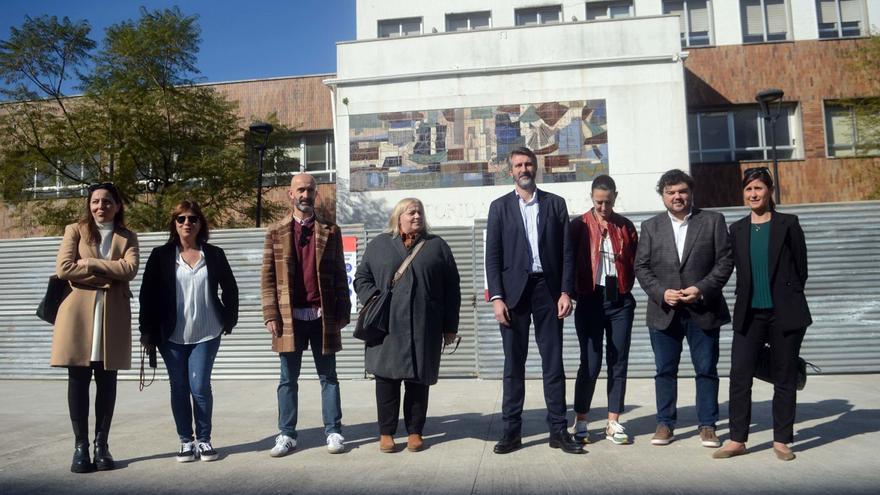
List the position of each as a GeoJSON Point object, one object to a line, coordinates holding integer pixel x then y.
{"type": "Point", "coordinates": [279, 261]}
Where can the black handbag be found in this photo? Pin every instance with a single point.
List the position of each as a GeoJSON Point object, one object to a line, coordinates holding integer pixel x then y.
{"type": "Point", "coordinates": [764, 368]}
{"type": "Point", "coordinates": [372, 320]}
{"type": "Point", "coordinates": [56, 291]}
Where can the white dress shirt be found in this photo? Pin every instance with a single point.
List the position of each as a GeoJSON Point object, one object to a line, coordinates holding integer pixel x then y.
{"type": "Point", "coordinates": [106, 231]}
{"type": "Point", "coordinates": [606, 261]}
{"type": "Point", "coordinates": [198, 320]}
{"type": "Point", "coordinates": [680, 229]}
{"type": "Point", "coordinates": [529, 210]}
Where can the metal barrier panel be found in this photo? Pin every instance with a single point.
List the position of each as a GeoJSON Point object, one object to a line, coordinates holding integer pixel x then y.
{"type": "Point", "coordinates": [843, 243]}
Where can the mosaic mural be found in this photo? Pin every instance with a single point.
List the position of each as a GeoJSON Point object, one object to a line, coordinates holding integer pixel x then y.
{"type": "Point", "coordinates": [461, 147]}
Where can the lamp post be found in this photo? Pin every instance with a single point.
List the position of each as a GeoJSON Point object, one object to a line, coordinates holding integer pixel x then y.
{"type": "Point", "coordinates": [770, 112]}
{"type": "Point", "coordinates": [260, 130]}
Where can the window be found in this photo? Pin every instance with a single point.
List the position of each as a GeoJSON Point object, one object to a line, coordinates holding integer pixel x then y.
{"type": "Point", "coordinates": [840, 18]}
{"type": "Point", "coordinates": [608, 10]}
{"type": "Point", "coordinates": [44, 183]}
{"type": "Point", "coordinates": [468, 21]}
{"type": "Point", "coordinates": [740, 133]}
{"type": "Point", "coordinates": [539, 15]}
{"type": "Point", "coordinates": [310, 152]}
{"type": "Point", "coordinates": [392, 28]}
{"type": "Point", "coordinates": [764, 20]}
{"type": "Point", "coordinates": [694, 20]}
{"type": "Point", "coordinates": [852, 129]}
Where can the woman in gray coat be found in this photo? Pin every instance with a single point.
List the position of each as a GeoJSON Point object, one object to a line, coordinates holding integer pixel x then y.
{"type": "Point", "coordinates": [424, 316]}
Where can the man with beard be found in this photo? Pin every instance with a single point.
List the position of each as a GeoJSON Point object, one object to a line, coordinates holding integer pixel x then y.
{"type": "Point", "coordinates": [305, 303]}
{"type": "Point", "coordinates": [530, 274]}
{"type": "Point", "coordinates": [682, 263]}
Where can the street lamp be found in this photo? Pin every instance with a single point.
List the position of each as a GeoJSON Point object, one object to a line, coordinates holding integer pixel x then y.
{"type": "Point", "coordinates": [260, 130]}
{"type": "Point", "coordinates": [770, 113]}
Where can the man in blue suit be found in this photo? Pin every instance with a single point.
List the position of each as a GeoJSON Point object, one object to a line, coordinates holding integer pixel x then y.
{"type": "Point", "coordinates": [530, 274]}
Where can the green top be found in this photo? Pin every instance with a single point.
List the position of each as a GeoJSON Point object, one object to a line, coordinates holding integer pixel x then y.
{"type": "Point", "coordinates": [759, 249]}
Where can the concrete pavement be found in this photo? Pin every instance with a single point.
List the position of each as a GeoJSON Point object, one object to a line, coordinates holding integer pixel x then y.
{"type": "Point", "coordinates": [836, 438]}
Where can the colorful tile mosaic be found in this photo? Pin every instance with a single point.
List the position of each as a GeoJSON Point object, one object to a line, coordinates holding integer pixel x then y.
{"type": "Point", "coordinates": [464, 147]}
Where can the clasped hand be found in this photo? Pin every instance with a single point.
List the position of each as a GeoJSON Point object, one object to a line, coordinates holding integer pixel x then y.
{"type": "Point", "coordinates": [674, 297]}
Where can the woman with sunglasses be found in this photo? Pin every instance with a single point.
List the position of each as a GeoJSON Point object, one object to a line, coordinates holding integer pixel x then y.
{"type": "Point", "coordinates": [770, 254]}
{"type": "Point", "coordinates": [92, 336]}
{"type": "Point", "coordinates": [423, 317]}
{"type": "Point", "coordinates": [183, 316]}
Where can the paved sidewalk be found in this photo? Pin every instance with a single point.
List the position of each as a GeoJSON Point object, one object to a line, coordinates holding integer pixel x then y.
{"type": "Point", "coordinates": [836, 444]}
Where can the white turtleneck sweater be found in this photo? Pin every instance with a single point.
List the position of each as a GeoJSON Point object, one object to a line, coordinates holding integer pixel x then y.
{"type": "Point", "coordinates": [106, 231]}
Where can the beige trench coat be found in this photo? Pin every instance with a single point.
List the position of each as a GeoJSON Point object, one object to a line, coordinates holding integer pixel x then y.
{"type": "Point", "coordinates": [72, 339]}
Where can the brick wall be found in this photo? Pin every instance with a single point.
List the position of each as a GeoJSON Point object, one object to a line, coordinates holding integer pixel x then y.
{"type": "Point", "coordinates": [302, 103]}
{"type": "Point", "coordinates": [809, 72]}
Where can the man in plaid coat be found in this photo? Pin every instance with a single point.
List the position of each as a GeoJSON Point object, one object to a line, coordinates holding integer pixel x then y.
{"type": "Point", "coordinates": [305, 299]}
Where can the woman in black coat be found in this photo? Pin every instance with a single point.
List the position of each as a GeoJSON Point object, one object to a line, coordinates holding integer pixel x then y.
{"type": "Point", "coordinates": [182, 314]}
{"type": "Point", "coordinates": [770, 254]}
{"type": "Point", "coordinates": [424, 316]}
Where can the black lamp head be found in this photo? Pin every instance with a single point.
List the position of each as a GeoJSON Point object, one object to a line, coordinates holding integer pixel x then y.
{"type": "Point", "coordinates": [767, 97]}
{"type": "Point", "coordinates": [261, 129]}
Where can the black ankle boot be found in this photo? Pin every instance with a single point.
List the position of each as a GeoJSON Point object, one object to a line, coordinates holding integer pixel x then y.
{"type": "Point", "coordinates": [103, 459]}
{"type": "Point", "coordinates": [81, 461]}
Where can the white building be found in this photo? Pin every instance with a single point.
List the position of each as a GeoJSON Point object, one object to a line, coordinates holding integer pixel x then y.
{"type": "Point", "coordinates": [432, 95]}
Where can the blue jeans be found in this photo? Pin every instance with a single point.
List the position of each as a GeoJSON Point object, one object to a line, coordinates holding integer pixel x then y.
{"type": "Point", "coordinates": [189, 371]}
{"type": "Point", "coordinates": [308, 333]}
{"type": "Point", "coordinates": [667, 346]}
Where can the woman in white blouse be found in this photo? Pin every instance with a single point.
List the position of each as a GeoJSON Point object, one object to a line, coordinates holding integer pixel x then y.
{"type": "Point", "coordinates": [184, 316]}
{"type": "Point", "coordinates": [92, 336]}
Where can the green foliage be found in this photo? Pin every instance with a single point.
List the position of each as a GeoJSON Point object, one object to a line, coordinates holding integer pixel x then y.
{"type": "Point", "coordinates": [142, 122]}
{"type": "Point", "coordinates": [865, 63]}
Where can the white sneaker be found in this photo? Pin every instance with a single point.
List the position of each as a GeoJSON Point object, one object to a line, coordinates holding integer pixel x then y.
{"type": "Point", "coordinates": [283, 446]}
{"type": "Point", "coordinates": [580, 432]}
{"type": "Point", "coordinates": [335, 443]}
{"type": "Point", "coordinates": [616, 433]}
{"type": "Point", "coordinates": [206, 452]}
{"type": "Point", "coordinates": [186, 452]}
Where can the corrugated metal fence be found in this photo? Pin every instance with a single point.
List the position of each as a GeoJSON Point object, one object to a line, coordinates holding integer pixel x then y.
{"type": "Point", "coordinates": [844, 255]}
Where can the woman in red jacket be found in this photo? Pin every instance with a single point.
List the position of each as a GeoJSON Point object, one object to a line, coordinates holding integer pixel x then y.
{"type": "Point", "coordinates": [605, 248]}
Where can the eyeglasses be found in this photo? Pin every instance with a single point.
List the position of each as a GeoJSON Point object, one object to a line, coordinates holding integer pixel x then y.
{"type": "Point", "coordinates": [193, 219]}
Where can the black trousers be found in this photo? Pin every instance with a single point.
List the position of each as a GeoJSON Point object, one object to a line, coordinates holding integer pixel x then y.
{"type": "Point", "coordinates": [537, 303]}
{"type": "Point", "coordinates": [415, 405]}
{"type": "Point", "coordinates": [597, 319]}
{"type": "Point", "coordinates": [78, 380]}
{"type": "Point", "coordinates": [785, 348]}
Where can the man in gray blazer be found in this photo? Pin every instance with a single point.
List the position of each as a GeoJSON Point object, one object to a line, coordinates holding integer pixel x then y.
{"type": "Point", "coordinates": [682, 263]}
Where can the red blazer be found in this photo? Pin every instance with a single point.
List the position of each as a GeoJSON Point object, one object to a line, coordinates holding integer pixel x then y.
{"type": "Point", "coordinates": [586, 236]}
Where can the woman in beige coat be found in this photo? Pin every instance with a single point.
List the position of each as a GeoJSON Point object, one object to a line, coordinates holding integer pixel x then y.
{"type": "Point", "coordinates": [98, 257]}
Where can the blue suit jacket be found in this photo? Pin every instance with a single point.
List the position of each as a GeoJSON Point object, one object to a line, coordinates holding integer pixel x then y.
{"type": "Point", "coordinates": [507, 248]}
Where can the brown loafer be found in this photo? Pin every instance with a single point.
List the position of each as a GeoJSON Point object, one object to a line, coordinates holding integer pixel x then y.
{"type": "Point", "coordinates": [414, 442]}
{"type": "Point", "coordinates": [728, 453]}
{"type": "Point", "coordinates": [386, 444]}
{"type": "Point", "coordinates": [783, 455]}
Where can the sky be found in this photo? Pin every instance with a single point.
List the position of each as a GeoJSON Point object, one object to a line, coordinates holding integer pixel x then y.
{"type": "Point", "coordinates": [240, 39]}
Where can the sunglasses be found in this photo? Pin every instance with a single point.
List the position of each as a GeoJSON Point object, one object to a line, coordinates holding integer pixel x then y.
{"type": "Point", "coordinates": [193, 219]}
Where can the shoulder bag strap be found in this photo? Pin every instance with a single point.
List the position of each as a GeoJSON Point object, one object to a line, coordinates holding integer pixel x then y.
{"type": "Point", "coordinates": [403, 266]}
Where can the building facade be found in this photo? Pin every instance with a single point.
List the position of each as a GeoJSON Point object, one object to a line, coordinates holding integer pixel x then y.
{"type": "Point", "coordinates": [432, 95]}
